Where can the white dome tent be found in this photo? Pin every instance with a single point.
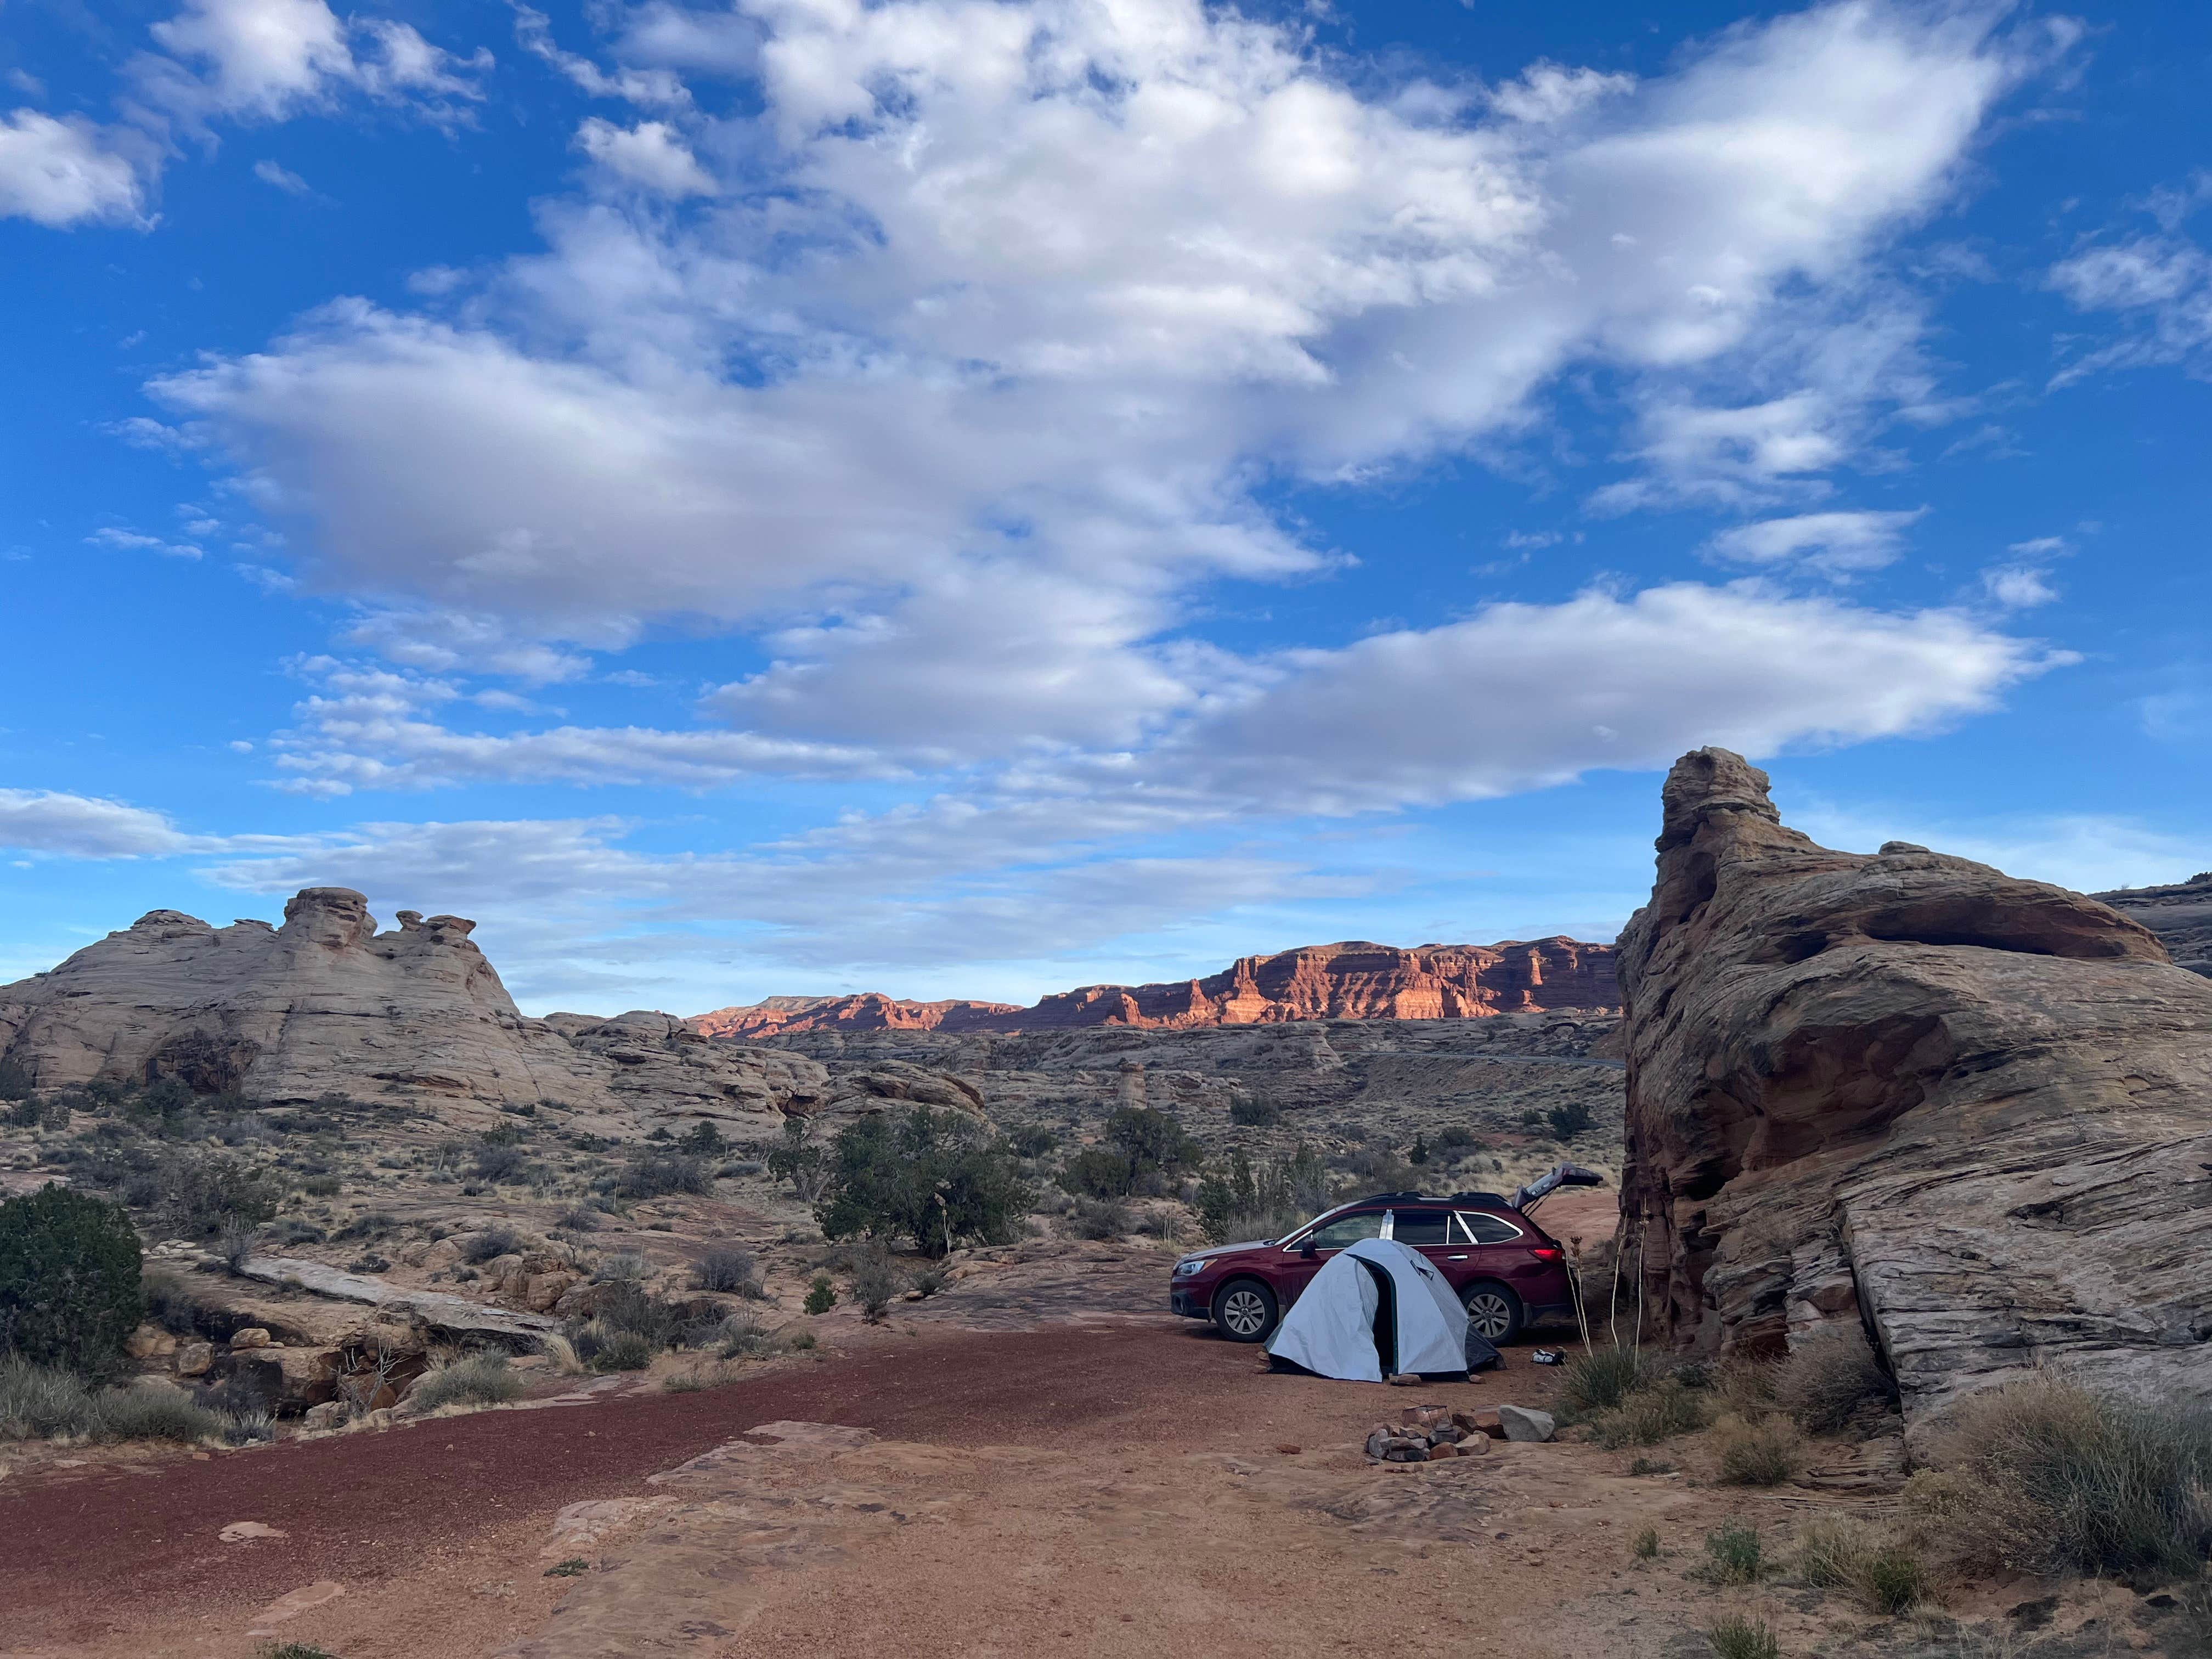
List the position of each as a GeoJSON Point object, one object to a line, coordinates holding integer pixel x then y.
{"type": "Point", "coordinates": [1379, 1307]}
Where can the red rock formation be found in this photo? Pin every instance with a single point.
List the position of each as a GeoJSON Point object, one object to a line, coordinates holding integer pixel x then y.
{"type": "Point", "coordinates": [1354, 980]}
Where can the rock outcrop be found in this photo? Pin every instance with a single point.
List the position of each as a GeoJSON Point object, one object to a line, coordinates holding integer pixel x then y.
{"type": "Point", "coordinates": [1354, 980]}
{"type": "Point", "coordinates": [327, 1003]}
{"type": "Point", "coordinates": [2181, 916]}
{"type": "Point", "coordinates": [1972, 1111]}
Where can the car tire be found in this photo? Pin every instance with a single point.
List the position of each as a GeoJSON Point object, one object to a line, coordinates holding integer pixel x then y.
{"type": "Point", "coordinates": [1493, 1311]}
{"type": "Point", "coordinates": [1245, 1310]}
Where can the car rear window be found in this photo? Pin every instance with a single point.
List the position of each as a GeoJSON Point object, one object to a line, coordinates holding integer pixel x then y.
{"type": "Point", "coordinates": [1344, 1230]}
{"type": "Point", "coordinates": [1479, 1227]}
{"type": "Point", "coordinates": [1420, 1227]}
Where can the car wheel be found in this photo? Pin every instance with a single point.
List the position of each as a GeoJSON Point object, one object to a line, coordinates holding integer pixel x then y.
{"type": "Point", "coordinates": [1244, 1311]}
{"type": "Point", "coordinates": [1494, 1312]}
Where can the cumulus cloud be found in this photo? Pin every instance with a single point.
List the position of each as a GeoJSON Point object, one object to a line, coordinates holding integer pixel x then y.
{"type": "Point", "coordinates": [84, 827]}
{"type": "Point", "coordinates": [1056, 288]}
{"type": "Point", "coordinates": [67, 172]}
{"type": "Point", "coordinates": [2160, 287]}
{"type": "Point", "coordinates": [648, 156]}
{"type": "Point", "coordinates": [1832, 542]}
{"type": "Point", "coordinates": [280, 177]}
{"type": "Point", "coordinates": [136, 541]}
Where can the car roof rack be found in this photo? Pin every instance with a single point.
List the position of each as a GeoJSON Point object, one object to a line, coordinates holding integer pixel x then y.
{"type": "Point", "coordinates": [1430, 1198]}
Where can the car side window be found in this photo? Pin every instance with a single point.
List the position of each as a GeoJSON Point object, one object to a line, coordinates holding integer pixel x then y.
{"type": "Point", "coordinates": [1478, 1227]}
{"type": "Point", "coordinates": [1419, 1227]}
{"type": "Point", "coordinates": [1344, 1230]}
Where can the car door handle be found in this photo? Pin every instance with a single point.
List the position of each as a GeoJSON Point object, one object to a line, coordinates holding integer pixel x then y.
{"type": "Point", "coordinates": [1455, 1258]}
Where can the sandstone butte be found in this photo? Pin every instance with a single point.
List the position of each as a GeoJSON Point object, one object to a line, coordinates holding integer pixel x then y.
{"type": "Point", "coordinates": [1354, 980]}
{"type": "Point", "coordinates": [1972, 1113]}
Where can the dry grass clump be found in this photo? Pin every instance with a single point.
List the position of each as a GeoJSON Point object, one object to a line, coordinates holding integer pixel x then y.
{"type": "Point", "coordinates": [1651, 1414]}
{"type": "Point", "coordinates": [730, 1269]}
{"type": "Point", "coordinates": [1762, 1453]}
{"type": "Point", "coordinates": [1598, 1381]}
{"type": "Point", "coordinates": [481, 1379]}
{"type": "Point", "coordinates": [2044, 1476]}
{"type": "Point", "coordinates": [40, 1403]}
{"type": "Point", "coordinates": [1738, 1637]}
{"type": "Point", "coordinates": [1734, 1554]}
{"type": "Point", "coordinates": [1829, 1377]}
{"type": "Point", "coordinates": [1877, 1564]}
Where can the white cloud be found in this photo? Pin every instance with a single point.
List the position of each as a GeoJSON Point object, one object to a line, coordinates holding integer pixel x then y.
{"type": "Point", "coordinates": [2162, 286]}
{"type": "Point", "coordinates": [84, 827]}
{"type": "Point", "coordinates": [268, 60]}
{"type": "Point", "coordinates": [2017, 587]}
{"type": "Point", "coordinates": [68, 172]}
{"type": "Point", "coordinates": [2090, 852]}
{"type": "Point", "coordinates": [281, 178]}
{"type": "Point", "coordinates": [649, 156]}
{"type": "Point", "coordinates": [1833, 542]}
{"type": "Point", "coordinates": [136, 541]}
{"type": "Point", "coordinates": [1054, 288]}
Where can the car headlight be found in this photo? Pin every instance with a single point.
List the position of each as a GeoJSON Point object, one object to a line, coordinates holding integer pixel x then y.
{"type": "Point", "coordinates": [1187, 1269]}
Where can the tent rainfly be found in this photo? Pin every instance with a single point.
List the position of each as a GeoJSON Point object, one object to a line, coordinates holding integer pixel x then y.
{"type": "Point", "coordinates": [1378, 1307]}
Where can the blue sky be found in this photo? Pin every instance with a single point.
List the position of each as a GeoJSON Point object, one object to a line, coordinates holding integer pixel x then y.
{"type": "Point", "coordinates": [963, 498]}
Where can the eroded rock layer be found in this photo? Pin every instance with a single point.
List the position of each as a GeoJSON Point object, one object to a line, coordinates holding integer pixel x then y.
{"type": "Point", "coordinates": [1972, 1111]}
{"type": "Point", "coordinates": [2181, 916]}
{"type": "Point", "coordinates": [1354, 980]}
{"type": "Point", "coordinates": [327, 1003]}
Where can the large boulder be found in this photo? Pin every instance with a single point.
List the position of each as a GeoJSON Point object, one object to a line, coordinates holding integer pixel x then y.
{"type": "Point", "coordinates": [1972, 1112]}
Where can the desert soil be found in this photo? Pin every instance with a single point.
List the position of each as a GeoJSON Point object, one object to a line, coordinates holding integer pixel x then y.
{"type": "Point", "coordinates": [1005, 1471]}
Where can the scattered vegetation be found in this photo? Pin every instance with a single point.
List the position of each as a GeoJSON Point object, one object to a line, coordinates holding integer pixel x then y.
{"type": "Point", "coordinates": [1733, 1554]}
{"type": "Point", "coordinates": [873, 1284]}
{"type": "Point", "coordinates": [1829, 1377]}
{"type": "Point", "coordinates": [1763, 1453]}
{"type": "Point", "coordinates": [1245, 1200]}
{"type": "Point", "coordinates": [1598, 1381]}
{"type": "Point", "coordinates": [1651, 1466]}
{"type": "Point", "coordinates": [1255, 1114]}
{"type": "Point", "coordinates": [1646, 1545]}
{"type": "Point", "coordinates": [623, 1267]}
{"type": "Point", "coordinates": [1874, 1564]}
{"type": "Point", "coordinates": [70, 1290]}
{"type": "Point", "coordinates": [194, 1193]}
{"type": "Point", "coordinates": [1568, 1119]}
{"type": "Point", "coordinates": [1142, 1144]}
{"type": "Point", "coordinates": [820, 1295]}
{"type": "Point", "coordinates": [292, 1650]}
{"type": "Point", "coordinates": [1100, 1219]}
{"type": "Point", "coordinates": [1739, 1638]}
{"type": "Point", "coordinates": [479, 1379]}
{"type": "Point", "coordinates": [2044, 1476]}
{"type": "Point", "coordinates": [658, 1175]}
{"type": "Point", "coordinates": [499, 1163]}
{"type": "Point", "coordinates": [40, 1401]}
{"type": "Point", "coordinates": [798, 1159]}
{"type": "Point", "coordinates": [730, 1269]}
{"type": "Point", "coordinates": [476, 1249]}
{"type": "Point", "coordinates": [1649, 1415]}
{"type": "Point", "coordinates": [574, 1566]}
{"type": "Point", "coordinates": [939, 1178]}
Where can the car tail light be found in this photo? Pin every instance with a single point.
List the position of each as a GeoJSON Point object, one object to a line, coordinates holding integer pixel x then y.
{"type": "Point", "coordinates": [1546, 1252]}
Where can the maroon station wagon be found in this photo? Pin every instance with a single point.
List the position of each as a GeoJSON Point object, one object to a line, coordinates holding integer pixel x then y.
{"type": "Point", "coordinates": [1508, 1271]}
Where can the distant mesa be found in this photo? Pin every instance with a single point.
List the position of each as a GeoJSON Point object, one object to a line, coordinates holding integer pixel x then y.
{"type": "Point", "coordinates": [1352, 980]}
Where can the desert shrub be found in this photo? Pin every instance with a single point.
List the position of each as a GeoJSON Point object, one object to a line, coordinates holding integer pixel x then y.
{"type": "Point", "coordinates": [874, 1286]}
{"type": "Point", "coordinates": [2043, 1476]}
{"type": "Point", "coordinates": [1255, 1114]}
{"type": "Point", "coordinates": [1829, 1376]}
{"type": "Point", "coordinates": [233, 1242]}
{"type": "Point", "coordinates": [498, 1162]}
{"type": "Point", "coordinates": [1759, 1454]}
{"type": "Point", "coordinates": [627, 1306]}
{"type": "Point", "coordinates": [658, 1175]}
{"type": "Point", "coordinates": [292, 1230]}
{"type": "Point", "coordinates": [476, 1249]}
{"type": "Point", "coordinates": [69, 1280]}
{"type": "Point", "coordinates": [15, 1082]}
{"type": "Point", "coordinates": [1098, 1172]}
{"type": "Point", "coordinates": [1032, 1141]}
{"type": "Point", "coordinates": [579, 1219]}
{"type": "Point", "coordinates": [624, 1266]}
{"type": "Point", "coordinates": [1598, 1381]}
{"type": "Point", "coordinates": [171, 1303]}
{"type": "Point", "coordinates": [1733, 1554]}
{"type": "Point", "coordinates": [930, 1280]}
{"type": "Point", "coordinates": [154, 1411]}
{"type": "Point", "coordinates": [1452, 1140]}
{"type": "Point", "coordinates": [1646, 1545]}
{"type": "Point", "coordinates": [621, 1351]}
{"type": "Point", "coordinates": [479, 1379]}
{"type": "Point", "coordinates": [939, 1178]}
{"type": "Point", "coordinates": [193, 1193]}
{"type": "Point", "coordinates": [820, 1295]}
{"type": "Point", "coordinates": [1895, 1581]}
{"type": "Point", "coordinates": [744, 1337]}
{"type": "Point", "coordinates": [1874, 1564]}
{"type": "Point", "coordinates": [292, 1650]}
{"type": "Point", "coordinates": [702, 1140]}
{"type": "Point", "coordinates": [1099, 1218]}
{"type": "Point", "coordinates": [796, 1159]}
{"type": "Point", "coordinates": [1736, 1637]}
{"type": "Point", "coordinates": [321, 1186]}
{"type": "Point", "coordinates": [373, 1223]}
{"type": "Point", "coordinates": [1650, 1466]}
{"type": "Point", "coordinates": [1745, 1384]}
{"type": "Point", "coordinates": [1649, 1415]}
{"type": "Point", "coordinates": [38, 1400]}
{"type": "Point", "coordinates": [1244, 1199]}
{"type": "Point", "coordinates": [575, 1566]}
{"type": "Point", "coordinates": [729, 1268]}
{"type": "Point", "coordinates": [1568, 1119]}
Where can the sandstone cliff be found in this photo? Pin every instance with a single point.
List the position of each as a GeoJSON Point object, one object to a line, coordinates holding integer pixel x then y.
{"type": "Point", "coordinates": [327, 1003]}
{"type": "Point", "coordinates": [2181, 916]}
{"type": "Point", "coordinates": [1354, 980]}
{"type": "Point", "coordinates": [1972, 1111]}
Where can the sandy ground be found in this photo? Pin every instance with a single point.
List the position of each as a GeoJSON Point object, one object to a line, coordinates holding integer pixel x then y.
{"type": "Point", "coordinates": [1107, 1481]}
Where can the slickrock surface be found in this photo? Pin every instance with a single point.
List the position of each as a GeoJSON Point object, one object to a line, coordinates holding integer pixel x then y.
{"type": "Point", "coordinates": [1354, 980]}
{"type": "Point", "coordinates": [1974, 1111]}
{"type": "Point", "coordinates": [328, 1004]}
{"type": "Point", "coordinates": [2181, 916]}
